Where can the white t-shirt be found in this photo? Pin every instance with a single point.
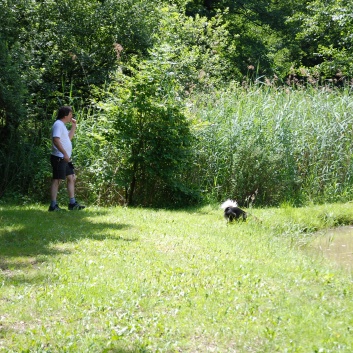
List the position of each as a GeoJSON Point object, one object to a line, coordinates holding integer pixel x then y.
{"type": "Point", "coordinates": [59, 130]}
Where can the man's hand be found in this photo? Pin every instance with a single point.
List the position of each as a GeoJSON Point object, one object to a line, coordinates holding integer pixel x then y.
{"type": "Point", "coordinates": [67, 158]}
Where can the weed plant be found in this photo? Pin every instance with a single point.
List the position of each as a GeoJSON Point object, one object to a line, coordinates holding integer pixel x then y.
{"type": "Point", "coordinates": [148, 280]}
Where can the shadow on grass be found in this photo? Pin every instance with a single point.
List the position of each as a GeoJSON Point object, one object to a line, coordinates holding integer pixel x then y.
{"type": "Point", "coordinates": [122, 350]}
{"type": "Point", "coordinates": [31, 232]}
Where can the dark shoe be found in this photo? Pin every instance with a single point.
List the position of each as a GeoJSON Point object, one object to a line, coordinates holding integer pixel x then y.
{"type": "Point", "coordinates": [55, 208]}
{"type": "Point", "coordinates": [75, 206]}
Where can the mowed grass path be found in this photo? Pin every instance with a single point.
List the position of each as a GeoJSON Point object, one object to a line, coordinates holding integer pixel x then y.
{"type": "Point", "coordinates": [140, 280]}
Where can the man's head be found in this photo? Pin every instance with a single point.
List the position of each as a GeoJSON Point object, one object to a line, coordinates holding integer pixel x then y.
{"type": "Point", "coordinates": [64, 112]}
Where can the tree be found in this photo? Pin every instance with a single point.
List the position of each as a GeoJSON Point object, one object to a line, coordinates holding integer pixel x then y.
{"type": "Point", "coordinates": [150, 130]}
{"type": "Point", "coordinates": [150, 133]}
{"type": "Point", "coordinates": [325, 34]}
{"type": "Point", "coordinates": [11, 87]}
{"type": "Point", "coordinates": [12, 97]}
{"type": "Point", "coordinates": [261, 37]}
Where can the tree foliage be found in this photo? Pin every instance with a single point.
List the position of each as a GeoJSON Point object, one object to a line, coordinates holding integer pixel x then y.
{"type": "Point", "coordinates": [150, 133]}
{"type": "Point", "coordinates": [325, 34]}
{"type": "Point", "coordinates": [150, 129]}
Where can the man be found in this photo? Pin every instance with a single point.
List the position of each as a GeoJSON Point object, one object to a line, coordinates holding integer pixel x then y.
{"type": "Point", "coordinates": [60, 159]}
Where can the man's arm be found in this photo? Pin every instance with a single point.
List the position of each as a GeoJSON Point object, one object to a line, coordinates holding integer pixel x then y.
{"type": "Point", "coordinates": [73, 129]}
{"type": "Point", "coordinates": [59, 146]}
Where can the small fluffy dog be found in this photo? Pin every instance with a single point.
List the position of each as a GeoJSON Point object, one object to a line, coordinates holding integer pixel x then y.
{"type": "Point", "coordinates": [232, 211]}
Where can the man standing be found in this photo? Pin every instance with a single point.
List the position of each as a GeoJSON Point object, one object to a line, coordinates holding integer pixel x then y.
{"type": "Point", "coordinates": [60, 159]}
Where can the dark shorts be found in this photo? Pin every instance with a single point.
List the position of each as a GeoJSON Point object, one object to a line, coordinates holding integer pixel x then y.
{"type": "Point", "coordinates": [61, 169]}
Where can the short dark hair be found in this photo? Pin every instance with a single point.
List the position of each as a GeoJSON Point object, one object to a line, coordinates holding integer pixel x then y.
{"type": "Point", "coordinates": [63, 111]}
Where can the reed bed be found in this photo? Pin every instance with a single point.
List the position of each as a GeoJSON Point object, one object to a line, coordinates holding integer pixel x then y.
{"type": "Point", "coordinates": [274, 145]}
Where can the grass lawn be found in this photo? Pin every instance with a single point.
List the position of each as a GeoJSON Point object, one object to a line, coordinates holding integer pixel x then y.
{"type": "Point", "coordinates": [125, 280]}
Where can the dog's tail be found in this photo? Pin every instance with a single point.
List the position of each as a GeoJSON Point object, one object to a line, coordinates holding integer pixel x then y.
{"type": "Point", "coordinates": [229, 203]}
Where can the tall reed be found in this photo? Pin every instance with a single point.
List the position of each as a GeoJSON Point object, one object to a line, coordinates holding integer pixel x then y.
{"type": "Point", "coordinates": [277, 145]}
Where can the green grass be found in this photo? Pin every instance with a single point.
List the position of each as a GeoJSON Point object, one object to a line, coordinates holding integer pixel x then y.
{"type": "Point", "coordinates": [140, 280]}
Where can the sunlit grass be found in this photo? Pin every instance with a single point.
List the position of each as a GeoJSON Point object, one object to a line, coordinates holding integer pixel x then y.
{"type": "Point", "coordinates": [142, 280]}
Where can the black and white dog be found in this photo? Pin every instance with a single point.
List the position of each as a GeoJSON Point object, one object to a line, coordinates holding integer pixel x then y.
{"type": "Point", "coordinates": [232, 211]}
